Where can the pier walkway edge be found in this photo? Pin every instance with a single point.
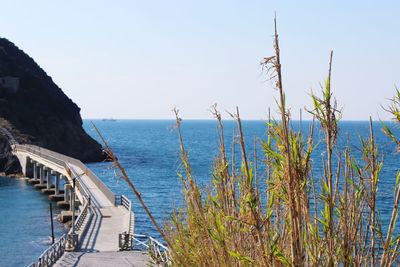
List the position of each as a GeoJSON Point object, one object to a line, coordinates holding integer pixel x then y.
{"type": "Point", "coordinates": [102, 223]}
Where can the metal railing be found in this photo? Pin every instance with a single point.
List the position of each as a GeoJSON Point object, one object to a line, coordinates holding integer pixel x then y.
{"type": "Point", "coordinates": [54, 160]}
{"type": "Point", "coordinates": [55, 251]}
{"type": "Point", "coordinates": [129, 241]}
{"type": "Point", "coordinates": [52, 254]}
{"type": "Point", "coordinates": [158, 252]}
{"type": "Point", "coordinates": [62, 161]}
{"type": "Point", "coordinates": [79, 184]}
{"type": "Point", "coordinates": [125, 238]}
{"type": "Point", "coordinates": [37, 151]}
{"type": "Point", "coordinates": [123, 201]}
{"type": "Point", "coordinates": [82, 216]}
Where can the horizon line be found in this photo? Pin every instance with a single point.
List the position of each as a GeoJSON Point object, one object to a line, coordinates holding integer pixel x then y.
{"type": "Point", "coordinates": [227, 119]}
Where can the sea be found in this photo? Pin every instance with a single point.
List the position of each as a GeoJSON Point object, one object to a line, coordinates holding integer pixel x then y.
{"type": "Point", "coordinates": [149, 152]}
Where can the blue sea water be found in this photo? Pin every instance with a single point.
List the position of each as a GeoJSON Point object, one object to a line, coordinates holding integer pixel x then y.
{"type": "Point", "coordinates": [149, 151]}
{"type": "Point", "coordinates": [25, 226]}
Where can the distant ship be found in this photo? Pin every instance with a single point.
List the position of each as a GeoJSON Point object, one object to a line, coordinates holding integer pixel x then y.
{"type": "Point", "coordinates": [111, 119]}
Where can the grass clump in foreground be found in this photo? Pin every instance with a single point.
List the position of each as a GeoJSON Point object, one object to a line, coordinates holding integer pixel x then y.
{"type": "Point", "coordinates": [302, 223]}
{"type": "Point", "coordinates": [306, 221]}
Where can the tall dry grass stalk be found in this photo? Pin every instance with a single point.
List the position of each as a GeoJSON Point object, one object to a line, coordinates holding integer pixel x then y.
{"type": "Point", "coordinates": [327, 220]}
{"type": "Point", "coordinates": [304, 218]}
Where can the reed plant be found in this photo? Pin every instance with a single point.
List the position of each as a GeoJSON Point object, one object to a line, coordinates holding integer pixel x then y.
{"type": "Point", "coordinates": [303, 217]}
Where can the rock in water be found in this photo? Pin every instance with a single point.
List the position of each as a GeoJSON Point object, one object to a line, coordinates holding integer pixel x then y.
{"type": "Point", "coordinates": [36, 111]}
{"type": "Point", "coordinates": [9, 164]}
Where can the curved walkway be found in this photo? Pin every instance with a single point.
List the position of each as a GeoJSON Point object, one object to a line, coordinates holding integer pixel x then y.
{"type": "Point", "coordinates": [108, 220]}
{"type": "Point", "coordinates": [99, 237]}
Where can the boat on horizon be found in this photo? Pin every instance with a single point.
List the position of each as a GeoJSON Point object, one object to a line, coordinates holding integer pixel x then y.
{"type": "Point", "coordinates": [110, 119]}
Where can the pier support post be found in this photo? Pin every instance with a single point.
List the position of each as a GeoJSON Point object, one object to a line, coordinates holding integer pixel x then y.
{"type": "Point", "coordinates": [29, 167]}
{"type": "Point", "coordinates": [64, 179]}
{"type": "Point", "coordinates": [57, 184]}
{"type": "Point", "coordinates": [35, 170]}
{"type": "Point", "coordinates": [42, 170]}
{"type": "Point", "coordinates": [67, 192]}
{"type": "Point", "coordinates": [49, 178]}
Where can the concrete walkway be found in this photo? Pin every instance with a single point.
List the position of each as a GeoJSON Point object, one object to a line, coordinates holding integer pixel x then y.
{"type": "Point", "coordinates": [108, 220]}
{"type": "Point", "coordinates": [104, 259]}
{"type": "Point", "coordinates": [99, 233]}
{"type": "Point", "coordinates": [103, 230]}
{"type": "Point", "coordinates": [99, 199]}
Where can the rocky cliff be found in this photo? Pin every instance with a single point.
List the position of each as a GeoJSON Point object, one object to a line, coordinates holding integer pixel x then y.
{"type": "Point", "coordinates": [36, 111]}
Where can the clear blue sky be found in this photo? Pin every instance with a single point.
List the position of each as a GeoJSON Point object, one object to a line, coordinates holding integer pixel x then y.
{"type": "Point", "coordinates": [139, 59]}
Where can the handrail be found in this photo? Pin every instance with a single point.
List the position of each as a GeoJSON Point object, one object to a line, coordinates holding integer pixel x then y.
{"type": "Point", "coordinates": [82, 216]}
{"type": "Point", "coordinates": [40, 154]}
{"type": "Point", "coordinates": [55, 251]}
{"type": "Point", "coordinates": [130, 220]}
{"type": "Point", "coordinates": [64, 162]}
{"type": "Point", "coordinates": [157, 251]}
{"type": "Point", "coordinates": [126, 237]}
{"type": "Point", "coordinates": [54, 160]}
{"type": "Point", "coordinates": [128, 205]}
{"type": "Point", "coordinates": [123, 201]}
{"type": "Point", "coordinates": [51, 254]}
{"type": "Point", "coordinates": [79, 184]}
{"type": "Point", "coordinates": [126, 202]}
